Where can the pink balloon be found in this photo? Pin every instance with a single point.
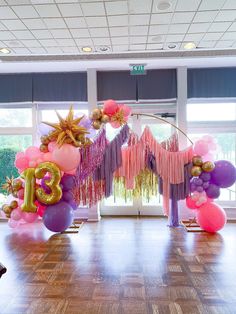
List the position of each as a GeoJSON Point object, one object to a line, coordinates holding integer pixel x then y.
{"type": "Point", "coordinates": [208, 157]}
{"type": "Point", "coordinates": [22, 163]}
{"type": "Point", "coordinates": [19, 155]}
{"type": "Point", "coordinates": [20, 194]}
{"type": "Point", "coordinates": [211, 217]}
{"type": "Point", "coordinates": [39, 160]}
{"type": "Point", "coordinates": [212, 146]}
{"type": "Point", "coordinates": [13, 223]}
{"type": "Point", "coordinates": [115, 124]}
{"type": "Point", "coordinates": [16, 214]}
{"type": "Point", "coordinates": [52, 146]}
{"type": "Point", "coordinates": [208, 138]}
{"type": "Point", "coordinates": [201, 148]}
{"type": "Point", "coordinates": [33, 153]}
{"type": "Point", "coordinates": [125, 109]}
{"type": "Point", "coordinates": [73, 172]}
{"type": "Point", "coordinates": [190, 203]}
{"type": "Point", "coordinates": [47, 156]}
{"type": "Point", "coordinates": [40, 208]}
{"type": "Point", "coordinates": [32, 164]}
{"type": "Point", "coordinates": [29, 217]}
{"type": "Point", "coordinates": [110, 107]}
{"type": "Point", "coordinates": [67, 157]}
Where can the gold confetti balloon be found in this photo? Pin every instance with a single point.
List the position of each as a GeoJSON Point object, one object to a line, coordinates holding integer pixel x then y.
{"type": "Point", "coordinates": [197, 161]}
{"type": "Point", "coordinates": [43, 148]}
{"type": "Point", "coordinates": [14, 204]}
{"type": "Point", "coordinates": [96, 114]}
{"type": "Point", "coordinates": [208, 166]}
{"type": "Point", "coordinates": [45, 140]}
{"type": "Point", "coordinates": [196, 171]}
{"type": "Point", "coordinates": [105, 118]}
{"type": "Point", "coordinates": [17, 184]}
{"type": "Point", "coordinates": [96, 124]}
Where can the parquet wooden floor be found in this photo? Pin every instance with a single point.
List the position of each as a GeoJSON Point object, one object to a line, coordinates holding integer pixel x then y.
{"type": "Point", "coordinates": [117, 266]}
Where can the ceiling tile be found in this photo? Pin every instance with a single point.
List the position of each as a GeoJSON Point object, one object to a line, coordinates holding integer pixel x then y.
{"type": "Point", "coordinates": [219, 27]}
{"type": "Point", "coordinates": [70, 9]}
{"type": "Point", "coordinates": [142, 19]}
{"type": "Point", "coordinates": [38, 51]}
{"type": "Point", "coordinates": [31, 43]}
{"type": "Point", "coordinates": [118, 20]}
{"type": "Point", "coordinates": [5, 35]}
{"type": "Point", "coordinates": [119, 31]}
{"type": "Point", "coordinates": [55, 23]}
{"type": "Point", "coordinates": [194, 37]}
{"type": "Point", "coordinates": [93, 9]}
{"type": "Point", "coordinates": [42, 34]}
{"type": "Point", "coordinates": [138, 39]}
{"type": "Point", "coordinates": [198, 27]}
{"type": "Point", "coordinates": [230, 4]}
{"type": "Point", "coordinates": [154, 46]}
{"type": "Point", "coordinates": [48, 42]}
{"type": "Point", "coordinates": [13, 43]}
{"type": "Point", "coordinates": [66, 42]}
{"type": "Point", "coordinates": [229, 36]}
{"type": "Point", "coordinates": [232, 27]}
{"type": "Point", "coordinates": [48, 10]}
{"type": "Point", "coordinates": [23, 34]}
{"type": "Point", "coordinates": [7, 13]}
{"type": "Point", "coordinates": [34, 23]}
{"type": "Point", "coordinates": [224, 43]}
{"type": "Point", "coordinates": [180, 17]}
{"type": "Point", "coordinates": [41, 1]}
{"type": "Point", "coordinates": [80, 32]}
{"type": "Point", "coordinates": [120, 40]}
{"type": "Point", "coordinates": [14, 24]}
{"type": "Point", "coordinates": [138, 30]}
{"type": "Point", "coordinates": [178, 28]}
{"type": "Point", "coordinates": [158, 29]}
{"type": "Point", "coordinates": [97, 21]}
{"type": "Point", "coordinates": [211, 5]}
{"type": "Point", "coordinates": [189, 5]}
{"type": "Point", "coordinates": [60, 33]}
{"type": "Point", "coordinates": [84, 42]}
{"type": "Point", "coordinates": [101, 41]}
{"type": "Point", "coordinates": [155, 8]}
{"type": "Point", "coordinates": [120, 48]}
{"type": "Point", "coordinates": [75, 22]}
{"type": "Point", "coordinates": [207, 44]}
{"type": "Point", "coordinates": [140, 6]}
{"type": "Point", "coordinates": [162, 18]}
{"type": "Point", "coordinates": [25, 11]}
{"type": "Point", "coordinates": [156, 39]}
{"type": "Point", "coordinates": [140, 47]}
{"type": "Point", "coordinates": [12, 2]}
{"type": "Point", "coordinates": [226, 15]}
{"type": "Point", "coordinates": [53, 50]}
{"type": "Point", "coordinates": [21, 51]}
{"type": "Point", "coordinates": [212, 36]}
{"type": "Point", "coordinates": [99, 32]}
{"type": "Point", "coordinates": [70, 1]}
{"type": "Point", "coordinates": [2, 2]}
{"type": "Point", "coordinates": [117, 7]}
{"type": "Point", "coordinates": [70, 50]}
{"type": "Point", "coordinates": [206, 16]}
{"type": "Point", "coordinates": [174, 38]}
{"type": "Point", "coordinates": [2, 27]}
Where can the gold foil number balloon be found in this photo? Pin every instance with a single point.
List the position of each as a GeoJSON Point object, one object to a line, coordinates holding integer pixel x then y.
{"type": "Point", "coordinates": [196, 171]}
{"type": "Point", "coordinates": [197, 161]}
{"type": "Point", "coordinates": [208, 166]}
{"type": "Point", "coordinates": [29, 195]}
{"type": "Point", "coordinates": [52, 183]}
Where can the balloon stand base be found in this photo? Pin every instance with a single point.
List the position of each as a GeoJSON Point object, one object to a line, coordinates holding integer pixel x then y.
{"type": "Point", "coordinates": [191, 225]}
{"type": "Point", "coordinates": [74, 228]}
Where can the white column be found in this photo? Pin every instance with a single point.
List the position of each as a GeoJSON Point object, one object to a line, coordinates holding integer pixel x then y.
{"type": "Point", "coordinates": [94, 211]}
{"type": "Point", "coordinates": [181, 110]}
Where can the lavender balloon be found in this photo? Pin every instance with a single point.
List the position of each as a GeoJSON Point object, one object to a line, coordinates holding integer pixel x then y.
{"type": "Point", "coordinates": [213, 191]}
{"type": "Point", "coordinates": [205, 176]}
{"type": "Point", "coordinates": [73, 204]}
{"type": "Point", "coordinates": [198, 182]}
{"type": "Point", "coordinates": [205, 185]}
{"type": "Point", "coordinates": [44, 129]}
{"type": "Point", "coordinates": [44, 186]}
{"type": "Point", "coordinates": [199, 189]}
{"type": "Point", "coordinates": [67, 196]}
{"type": "Point", "coordinates": [224, 174]}
{"type": "Point", "coordinates": [68, 182]}
{"type": "Point", "coordinates": [58, 217]}
{"type": "Point", "coordinates": [86, 122]}
{"type": "Point", "coordinates": [192, 187]}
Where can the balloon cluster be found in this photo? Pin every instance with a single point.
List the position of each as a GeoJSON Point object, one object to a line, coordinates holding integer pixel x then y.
{"type": "Point", "coordinates": [30, 158]}
{"type": "Point", "coordinates": [115, 114]}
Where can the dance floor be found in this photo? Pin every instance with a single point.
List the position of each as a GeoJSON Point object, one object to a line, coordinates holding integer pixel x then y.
{"type": "Point", "coordinates": [118, 265]}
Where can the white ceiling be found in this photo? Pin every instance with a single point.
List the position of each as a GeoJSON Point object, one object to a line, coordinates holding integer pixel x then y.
{"type": "Point", "coordinates": [63, 27]}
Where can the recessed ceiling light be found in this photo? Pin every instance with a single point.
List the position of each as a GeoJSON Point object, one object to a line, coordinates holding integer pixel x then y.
{"type": "Point", "coordinates": [5, 50]}
{"type": "Point", "coordinates": [189, 46]}
{"type": "Point", "coordinates": [172, 46]}
{"type": "Point", "coordinates": [163, 5]}
{"type": "Point", "coordinates": [103, 48]}
{"type": "Point", "coordinates": [87, 49]}
{"type": "Point", "coordinates": [157, 38]}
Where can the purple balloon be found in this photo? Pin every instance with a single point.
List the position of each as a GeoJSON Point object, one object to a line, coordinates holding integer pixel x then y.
{"type": "Point", "coordinates": [92, 133]}
{"type": "Point", "coordinates": [205, 176]}
{"type": "Point", "coordinates": [205, 185]}
{"type": "Point", "coordinates": [213, 191]}
{"type": "Point", "coordinates": [73, 204]}
{"type": "Point", "coordinates": [199, 189]}
{"type": "Point", "coordinates": [86, 122]}
{"type": "Point", "coordinates": [67, 196]}
{"type": "Point", "coordinates": [198, 182]}
{"type": "Point", "coordinates": [192, 187]}
{"type": "Point", "coordinates": [43, 185]}
{"type": "Point", "coordinates": [68, 182]}
{"type": "Point", "coordinates": [224, 174]}
{"type": "Point", "coordinates": [58, 217]}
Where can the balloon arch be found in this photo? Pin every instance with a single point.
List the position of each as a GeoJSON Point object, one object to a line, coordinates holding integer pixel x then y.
{"type": "Point", "coordinates": [75, 164]}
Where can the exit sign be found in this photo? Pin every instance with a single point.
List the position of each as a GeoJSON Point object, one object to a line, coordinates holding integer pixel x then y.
{"type": "Point", "coordinates": [137, 69]}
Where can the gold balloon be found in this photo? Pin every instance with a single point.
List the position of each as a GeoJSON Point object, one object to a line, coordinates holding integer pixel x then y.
{"type": "Point", "coordinates": [29, 193]}
{"type": "Point", "coordinates": [52, 136]}
{"type": "Point", "coordinates": [105, 118]}
{"type": "Point", "coordinates": [196, 171]}
{"type": "Point", "coordinates": [43, 148]}
{"type": "Point", "coordinates": [52, 183]}
{"type": "Point", "coordinates": [14, 204]}
{"type": "Point", "coordinates": [96, 124]}
{"type": "Point", "coordinates": [208, 166]}
{"type": "Point", "coordinates": [17, 184]}
{"type": "Point", "coordinates": [96, 114]}
{"type": "Point", "coordinates": [45, 140]}
{"type": "Point", "coordinates": [14, 193]}
{"type": "Point", "coordinates": [7, 209]}
{"type": "Point", "coordinates": [81, 137]}
{"type": "Point", "coordinates": [197, 161]}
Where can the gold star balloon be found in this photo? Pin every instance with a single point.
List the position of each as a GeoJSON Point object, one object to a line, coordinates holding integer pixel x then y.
{"type": "Point", "coordinates": [8, 185]}
{"type": "Point", "coordinates": [67, 130]}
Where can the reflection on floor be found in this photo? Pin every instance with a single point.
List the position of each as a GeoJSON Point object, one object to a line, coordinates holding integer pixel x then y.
{"type": "Point", "coordinates": [119, 265]}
